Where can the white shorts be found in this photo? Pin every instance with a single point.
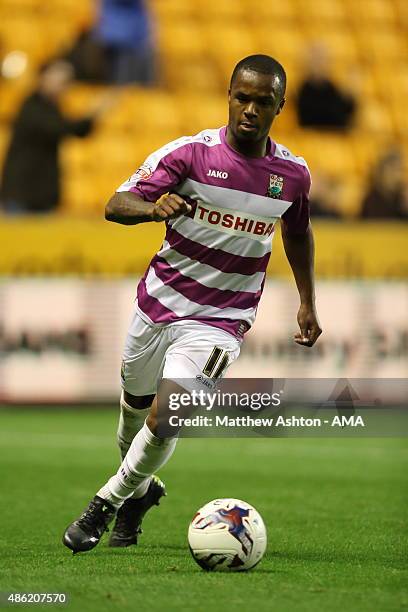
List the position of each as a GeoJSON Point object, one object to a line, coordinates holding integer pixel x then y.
{"type": "Point", "coordinates": [197, 353]}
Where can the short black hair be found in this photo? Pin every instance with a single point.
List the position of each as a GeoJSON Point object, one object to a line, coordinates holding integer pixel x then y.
{"type": "Point", "coordinates": [265, 64]}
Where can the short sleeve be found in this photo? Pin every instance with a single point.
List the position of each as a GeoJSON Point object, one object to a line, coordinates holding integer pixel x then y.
{"type": "Point", "coordinates": [162, 171]}
{"type": "Point", "coordinates": [297, 216]}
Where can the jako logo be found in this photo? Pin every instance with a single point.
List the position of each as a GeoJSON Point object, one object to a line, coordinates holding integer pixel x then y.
{"type": "Point", "coordinates": [205, 381]}
{"type": "Point", "coordinates": [217, 174]}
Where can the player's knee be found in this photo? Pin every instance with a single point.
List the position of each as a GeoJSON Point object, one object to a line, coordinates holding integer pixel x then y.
{"type": "Point", "coordinates": [138, 402]}
{"type": "Point", "coordinates": [151, 422]}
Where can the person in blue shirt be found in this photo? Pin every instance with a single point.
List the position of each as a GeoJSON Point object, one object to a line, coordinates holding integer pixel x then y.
{"type": "Point", "coordinates": [124, 31]}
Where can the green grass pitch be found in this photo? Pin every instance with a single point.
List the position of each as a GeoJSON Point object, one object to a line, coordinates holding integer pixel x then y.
{"type": "Point", "coordinates": [335, 512]}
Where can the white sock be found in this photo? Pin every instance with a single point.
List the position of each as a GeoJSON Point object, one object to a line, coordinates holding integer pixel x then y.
{"type": "Point", "coordinates": [131, 420]}
{"type": "Point", "coordinates": [146, 454]}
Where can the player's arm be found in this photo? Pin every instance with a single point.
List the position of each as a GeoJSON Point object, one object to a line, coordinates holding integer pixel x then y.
{"type": "Point", "coordinates": [128, 208]}
{"type": "Point", "coordinates": [148, 195]}
{"type": "Point", "coordinates": [299, 249]}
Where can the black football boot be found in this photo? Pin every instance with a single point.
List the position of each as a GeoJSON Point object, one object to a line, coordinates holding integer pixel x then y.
{"type": "Point", "coordinates": [129, 518]}
{"type": "Point", "coordinates": [85, 533]}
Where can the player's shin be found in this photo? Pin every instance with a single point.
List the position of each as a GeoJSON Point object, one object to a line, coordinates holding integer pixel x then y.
{"type": "Point", "coordinates": [146, 455]}
{"type": "Point", "coordinates": [131, 420]}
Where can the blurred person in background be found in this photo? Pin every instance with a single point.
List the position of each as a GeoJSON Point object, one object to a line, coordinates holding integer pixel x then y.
{"type": "Point", "coordinates": [386, 196]}
{"type": "Point", "coordinates": [320, 103]}
{"type": "Point", "coordinates": [31, 173]}
{"type": "Point", "coordinates": [123, 30]}
{"type": "Point", "coordinates": [87, 58]}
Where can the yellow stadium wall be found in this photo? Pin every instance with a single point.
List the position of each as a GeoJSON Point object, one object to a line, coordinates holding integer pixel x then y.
{"type": "Point", "coordinates": [61, 246]}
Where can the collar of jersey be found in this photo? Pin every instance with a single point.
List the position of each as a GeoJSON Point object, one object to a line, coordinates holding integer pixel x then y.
{"type": "Point", "coordinates": [270, 145]}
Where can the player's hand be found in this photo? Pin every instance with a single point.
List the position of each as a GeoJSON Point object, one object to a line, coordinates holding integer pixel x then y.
{"type": "Point", "coordinates": [170, 206]}
{"type": "Point", "coordinates": [104, 103]}
{"type": "Point", "coordinates": [309, 326]}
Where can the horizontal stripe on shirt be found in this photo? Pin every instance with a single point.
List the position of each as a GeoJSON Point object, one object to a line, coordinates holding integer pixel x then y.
{"type": "Point", "coordinates": [207, 274]}
{"type": "Point", "coordinates": [199, 293]}
{"type": "Point", "coordinates": [175, 301]}
{"type": "Point", "coordinates": [217, 258]}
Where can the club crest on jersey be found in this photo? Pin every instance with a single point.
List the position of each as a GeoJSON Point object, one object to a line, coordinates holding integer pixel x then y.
{"type": "Point", "coordinates": [275, 186]}
{"type": "Point", "coordinates": [144, 172]}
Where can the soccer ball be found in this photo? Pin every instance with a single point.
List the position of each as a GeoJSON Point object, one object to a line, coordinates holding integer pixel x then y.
{"type": "Point", "coordinates": [227, 535]}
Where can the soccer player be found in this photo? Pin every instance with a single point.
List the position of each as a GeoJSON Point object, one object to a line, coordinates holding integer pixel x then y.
{"type": "Point", "coordinates": [220, 194]}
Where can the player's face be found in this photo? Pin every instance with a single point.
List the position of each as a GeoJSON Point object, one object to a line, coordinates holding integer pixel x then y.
{"type": "Point", "coordinates": [254, 101]}
{"type": "Point", "coordinates": [57, 77]}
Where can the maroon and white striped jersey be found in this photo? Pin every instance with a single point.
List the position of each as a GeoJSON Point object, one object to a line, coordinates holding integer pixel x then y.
{"type": "Point", "coordinates": [211, 266]}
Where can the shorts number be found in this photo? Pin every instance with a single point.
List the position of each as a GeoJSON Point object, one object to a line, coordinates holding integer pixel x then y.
{"type": "Point", "coordinates": [216, 363]}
